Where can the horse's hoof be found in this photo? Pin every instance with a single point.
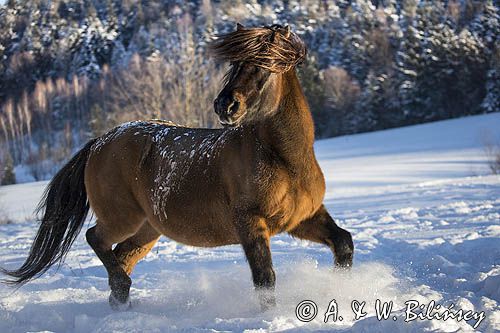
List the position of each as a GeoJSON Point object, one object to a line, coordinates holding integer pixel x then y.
{"type": "Point", "coordinates": [267, 301]}
{"type": "Point", "coordinates": [117, 305]}
{"type": "Point", "coordinates": [345, 266]}
{"type": "Point", "coordinates": [344, 262]}
{"type": "Point", "coordinates": [264, 306]}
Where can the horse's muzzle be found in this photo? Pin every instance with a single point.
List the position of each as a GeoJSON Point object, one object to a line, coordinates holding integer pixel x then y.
{"type": "Point", "coordinates": [227, 107]}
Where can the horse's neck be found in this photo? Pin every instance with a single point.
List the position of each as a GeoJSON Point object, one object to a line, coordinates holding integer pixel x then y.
{"type": "Point", "coordinates": [290, 131]}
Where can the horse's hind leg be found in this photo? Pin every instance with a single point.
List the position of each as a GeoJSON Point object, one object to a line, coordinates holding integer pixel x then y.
{"type": "Point", "coordinates": [101, 240]}
{"type": "Point", "coordinates": [130, 251]}
{"type": "Point", "coordinates": [321, 228]}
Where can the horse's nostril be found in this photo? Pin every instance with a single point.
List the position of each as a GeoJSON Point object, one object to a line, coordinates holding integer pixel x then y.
{"type": "Point", "coordinates": [233, 107]}
{"type": "Point", "coordinates": [226, 105]}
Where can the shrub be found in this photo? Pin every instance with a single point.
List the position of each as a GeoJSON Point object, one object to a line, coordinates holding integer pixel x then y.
{"type": "Point", "coordinates": [493, 155]}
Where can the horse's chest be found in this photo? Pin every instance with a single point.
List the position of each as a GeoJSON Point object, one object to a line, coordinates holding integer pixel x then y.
{"type": "Point", "coordinates": [294, 201]}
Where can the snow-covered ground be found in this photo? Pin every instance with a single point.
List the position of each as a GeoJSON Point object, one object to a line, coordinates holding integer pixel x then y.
{"type": "Point", "coordinates": [423, 210]}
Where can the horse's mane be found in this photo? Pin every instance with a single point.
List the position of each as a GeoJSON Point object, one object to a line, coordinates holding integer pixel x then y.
{"type": "Point", "coordinates": [274, 48]}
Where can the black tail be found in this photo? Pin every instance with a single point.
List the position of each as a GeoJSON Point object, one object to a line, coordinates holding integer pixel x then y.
{"type": "Point", "coordinates": [65, 208]}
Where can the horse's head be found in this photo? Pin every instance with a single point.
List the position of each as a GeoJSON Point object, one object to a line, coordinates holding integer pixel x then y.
{"type": "Point", "coordinates": [259, 57]}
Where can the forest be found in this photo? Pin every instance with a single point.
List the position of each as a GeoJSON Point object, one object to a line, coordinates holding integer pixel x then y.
{"type": "Point", "coordinates": [70, 70]}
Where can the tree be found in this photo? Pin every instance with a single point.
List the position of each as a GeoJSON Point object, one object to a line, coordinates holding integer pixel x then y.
{"type": "Point", "coordinates": [343, 93]}
{"type": "Point", "coordinates": [8, 174]}
{"type": "Point", "coordinates": [491, 102]}
{"type": "Point", "coordinates": [314, 89]}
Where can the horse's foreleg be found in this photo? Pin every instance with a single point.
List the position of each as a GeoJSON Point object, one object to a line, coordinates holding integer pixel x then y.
{"type": "Point", "coordinates": [130, 251]}
{"type": "Point", "coordinates": [254, 237]}
{"type": "Point", "coordinates": [321, 228]}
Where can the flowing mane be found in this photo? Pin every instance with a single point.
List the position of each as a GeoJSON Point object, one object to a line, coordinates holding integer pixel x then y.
{"type": "Point", "coordinates": [274, 48]}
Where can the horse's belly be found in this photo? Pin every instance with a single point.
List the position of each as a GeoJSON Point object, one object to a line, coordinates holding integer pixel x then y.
{"type": "Point", "coordinates": [190, 209]}
{"type": "Point", "coordinates": [196, 230]}
{"type": "Point", "coordinates": [200, 240]}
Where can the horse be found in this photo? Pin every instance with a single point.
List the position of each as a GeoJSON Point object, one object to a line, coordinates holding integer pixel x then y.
{"type": "Point", "coordinates": [241, 184]}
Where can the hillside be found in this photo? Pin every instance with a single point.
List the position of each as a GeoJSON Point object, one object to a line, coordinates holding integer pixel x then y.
{"type": "Point", "coordinates": [70, 70]}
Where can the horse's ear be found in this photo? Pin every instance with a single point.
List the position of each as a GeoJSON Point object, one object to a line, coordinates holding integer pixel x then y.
{"type": "Point", "coordinates": [287, 31]}
{"type": "Point", "coordinates": [239, 26]}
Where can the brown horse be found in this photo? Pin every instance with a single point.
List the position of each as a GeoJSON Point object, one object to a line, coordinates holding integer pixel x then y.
{"type": "Point", "coordinates": [243, 184]}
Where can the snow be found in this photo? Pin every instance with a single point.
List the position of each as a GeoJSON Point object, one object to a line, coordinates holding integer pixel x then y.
{"type": "Point", "coordinates": [418, 200]}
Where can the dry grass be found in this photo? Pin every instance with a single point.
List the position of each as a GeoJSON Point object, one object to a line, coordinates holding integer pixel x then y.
{"type": "Point", "coordinates": [4, 218]}
{"type": "Point", "coordinates": [493, 155]}
{"type": "Point", "coordinates": [492, 151]}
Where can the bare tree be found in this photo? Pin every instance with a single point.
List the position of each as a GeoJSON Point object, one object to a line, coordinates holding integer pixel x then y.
{"type": "Point", "coordinates": [179, 87]}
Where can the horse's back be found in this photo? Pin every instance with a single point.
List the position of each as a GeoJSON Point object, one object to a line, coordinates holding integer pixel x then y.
{"type": "Point", "coordinates": [167, 174]}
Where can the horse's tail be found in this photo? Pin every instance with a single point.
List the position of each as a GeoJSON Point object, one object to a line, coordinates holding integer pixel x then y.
{"type": "Point", "coordinates": [65, 208]}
